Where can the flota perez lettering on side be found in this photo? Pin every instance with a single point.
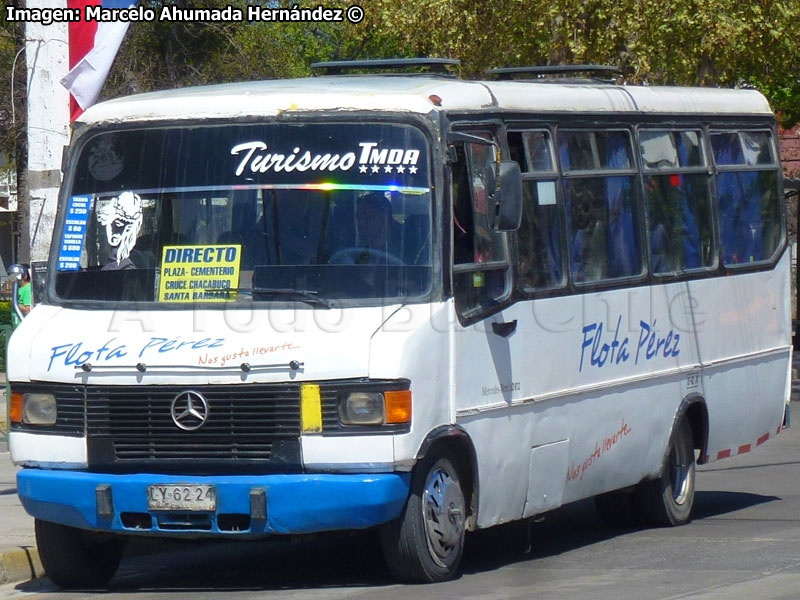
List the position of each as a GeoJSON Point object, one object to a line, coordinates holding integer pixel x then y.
{"type": "Point", "coordinates": [370, 158]}
{"type": "Point", "coordinates": [650, 345]}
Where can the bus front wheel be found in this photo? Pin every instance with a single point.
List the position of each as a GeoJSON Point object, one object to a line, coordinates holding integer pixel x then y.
{"type": "Point", "coordinates": [667, 501]}
{"type": "Point", "coordinates": [74, 558]}
{"type": "Point", "coordinates": [425, 544]}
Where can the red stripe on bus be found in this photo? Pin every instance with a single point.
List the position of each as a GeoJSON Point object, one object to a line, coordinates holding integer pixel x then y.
{"type": "Point", "coordinates": [762, 439]}
{"type": "Point", "coordinates": [723, 454]}
{"type": "Point", "coordinates": [745, 448]}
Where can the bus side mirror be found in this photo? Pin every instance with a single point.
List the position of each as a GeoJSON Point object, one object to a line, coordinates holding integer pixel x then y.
{"type": "Point", "coordinates": [505, 212]}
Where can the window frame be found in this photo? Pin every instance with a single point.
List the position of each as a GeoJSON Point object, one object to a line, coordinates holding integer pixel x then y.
{"type": "Point", "coordinates": [705, 169]}
{"type": "Point", "coordinates": [774, 166]}
{"type": "Point", "coordinates": [555, 176]}
{"type": "Point", "coordinates": [637, 201]}
{"type": "Point", "coordinates": [496, 133]}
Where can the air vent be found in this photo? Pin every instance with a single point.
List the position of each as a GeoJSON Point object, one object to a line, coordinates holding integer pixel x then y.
{"type": "Point", "coordinates": [559, 73]}
{"type": "Point", "coordinates": [408, 66]}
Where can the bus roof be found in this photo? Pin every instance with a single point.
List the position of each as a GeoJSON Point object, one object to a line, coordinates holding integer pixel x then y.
{"type": "Point", "coordinates": [421, 95]}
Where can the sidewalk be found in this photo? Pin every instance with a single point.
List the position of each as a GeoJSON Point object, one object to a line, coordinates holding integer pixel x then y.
{"type": "Point", "coordinates": [19, 559]}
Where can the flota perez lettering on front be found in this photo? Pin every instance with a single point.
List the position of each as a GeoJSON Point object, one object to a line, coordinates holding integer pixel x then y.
{"type": "Point", "coordinates": [370, 158]}
{"type": "Point", "coordinates": [78, 353]}
{"type": "Point", "coordinates": [603, 351]}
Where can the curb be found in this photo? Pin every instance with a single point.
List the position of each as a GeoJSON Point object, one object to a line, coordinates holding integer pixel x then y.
{"type": "Point", "coordinates": [20, 564]}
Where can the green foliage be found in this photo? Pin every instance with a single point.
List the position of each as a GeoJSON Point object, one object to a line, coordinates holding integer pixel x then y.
{"type": "Point", "coordinates": [12, 116]}
{"type": "Point", "coordinates": [684, 42]}
{"type": "Point", "coordinates": [5, 313]}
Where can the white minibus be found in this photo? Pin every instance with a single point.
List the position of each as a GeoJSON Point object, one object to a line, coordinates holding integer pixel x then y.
{"type": "Point", "coordinates": [408, 302]}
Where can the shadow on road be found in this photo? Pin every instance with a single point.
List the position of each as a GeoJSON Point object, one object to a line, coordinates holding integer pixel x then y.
{"type": "Point", "coordinates": [714, 504]}
{"type": "Point", "coordinates": [345, 561]}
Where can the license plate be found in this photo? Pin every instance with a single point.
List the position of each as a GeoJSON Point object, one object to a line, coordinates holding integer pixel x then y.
{"type": "Point", "coordinates": [182, 497]}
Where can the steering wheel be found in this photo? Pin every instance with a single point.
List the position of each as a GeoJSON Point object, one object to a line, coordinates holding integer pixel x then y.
{"type": "Point", "coordinates": [341, 256]}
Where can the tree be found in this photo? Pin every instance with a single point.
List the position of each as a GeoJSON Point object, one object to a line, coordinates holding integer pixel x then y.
{"type": "Point", "coordinates": [13, 114]}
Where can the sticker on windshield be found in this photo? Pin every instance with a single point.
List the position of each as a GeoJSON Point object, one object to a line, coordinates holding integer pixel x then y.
{"type": "Point", "coordinates": [199, 273]}
{"type": "Point", "coordinates": [69, 256]}
{"type": "Point", "coordinates": [122, 218]}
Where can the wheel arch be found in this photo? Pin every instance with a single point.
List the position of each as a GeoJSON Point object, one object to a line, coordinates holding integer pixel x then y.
{"type": "Point", "coordinates": [456, 442]}
{"type": "Point", "coordinates": [693, 408]}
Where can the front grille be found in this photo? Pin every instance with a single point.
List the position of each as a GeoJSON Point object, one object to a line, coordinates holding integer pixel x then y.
{"type": "Point", "coordinates": [249, 427]}
{"type": "Point", "coordinates": [244, 423]}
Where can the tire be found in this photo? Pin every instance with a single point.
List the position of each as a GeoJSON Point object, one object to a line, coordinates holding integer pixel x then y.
{"type": "Point", "coordinates": [667, 501]}
{"type": "Point", "coordinates": [617, 509]}
{"type": "Point", "coordinates": [75, 558]}
{"type": "Point", "coordinates": [425, 544]}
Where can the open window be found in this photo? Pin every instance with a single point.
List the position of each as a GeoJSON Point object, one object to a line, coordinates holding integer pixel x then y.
{"type": "Point", "coordinates": [481, 268]}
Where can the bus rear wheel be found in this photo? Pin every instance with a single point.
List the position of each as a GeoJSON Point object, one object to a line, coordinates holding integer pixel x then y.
{"type": "Point", "coordinates": [667, 501]}
{"type": "Point", "coordinates": [425, 544]}
{"type": "Point", "coordinates": [75, 558]}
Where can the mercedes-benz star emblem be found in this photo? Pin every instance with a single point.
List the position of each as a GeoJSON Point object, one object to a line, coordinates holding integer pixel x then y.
{"type": "Point", "coordinates": [189, 410]}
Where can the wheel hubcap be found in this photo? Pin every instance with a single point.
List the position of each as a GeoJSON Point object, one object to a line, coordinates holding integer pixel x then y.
{"type": "Point", "coordinates": [680, 472]}
{"type": "Point", "coordinates": [443, 515]}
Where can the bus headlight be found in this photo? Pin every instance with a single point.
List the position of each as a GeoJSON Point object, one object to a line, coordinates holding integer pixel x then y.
{"type": "Point", "coordinates": [392, 407]}
{"type": "Point", "coordinates": [362, 408]}
{"type": "Point", "coordinates": [39, 409]}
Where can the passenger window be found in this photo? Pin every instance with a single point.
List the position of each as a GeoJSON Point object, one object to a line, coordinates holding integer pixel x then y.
{"type": "Point", "coordinates": [678, 201]}
{"type": "Point", "coordinates": [747, 192]}
{"type": "Point", "coordinates": [742, 148]}
{"type": "Point", "coordinates": [480, 254]}
{"type": "Point", "coordinates": [593, 150]}
{"type": "Point", "coordinates": [602, 237]}
{"type": "Point", "coordinates": [540, 234]}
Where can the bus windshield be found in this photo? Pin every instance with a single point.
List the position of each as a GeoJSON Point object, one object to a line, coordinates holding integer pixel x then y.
{"type": "Point", "coordinates": [310, 213]}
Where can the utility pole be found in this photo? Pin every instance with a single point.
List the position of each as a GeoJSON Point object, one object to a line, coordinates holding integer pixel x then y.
{"type": "Point", "coordinates": [47, 58]}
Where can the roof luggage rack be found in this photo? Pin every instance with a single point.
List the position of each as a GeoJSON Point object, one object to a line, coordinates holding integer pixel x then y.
{"type": "Point", "coordinates": [557, 72]}
{"type": "Point", "coordinates": [438, 66]}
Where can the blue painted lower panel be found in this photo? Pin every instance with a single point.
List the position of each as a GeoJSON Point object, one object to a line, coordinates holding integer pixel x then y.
{"type": "Point", "coordinates": [296, 503]}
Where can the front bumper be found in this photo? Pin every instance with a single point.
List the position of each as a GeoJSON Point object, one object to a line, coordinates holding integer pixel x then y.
{"type": "Point", "coordinates": [284, 504]}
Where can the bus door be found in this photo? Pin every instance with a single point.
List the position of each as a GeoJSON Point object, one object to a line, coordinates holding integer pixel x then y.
{"type": "Point", "coordinates": [482, 369]}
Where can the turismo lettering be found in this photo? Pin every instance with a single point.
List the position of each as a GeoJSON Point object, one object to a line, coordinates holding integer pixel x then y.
{"type": "Point", "coordinates": [256, 159]}
{"type": "Point", "coordinates": [601, 350]}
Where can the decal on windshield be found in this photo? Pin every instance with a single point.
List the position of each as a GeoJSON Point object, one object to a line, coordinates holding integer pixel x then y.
{"type": "Point", "coordinates": [199, 273]}
{"type": "Point", "coordinates": [69, 256]}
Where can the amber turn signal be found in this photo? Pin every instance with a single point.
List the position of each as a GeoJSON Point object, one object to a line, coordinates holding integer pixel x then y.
{"type": "Point", "coordinates": [398, 406]}
{"type": "Point", "coordinates": [15, 407]}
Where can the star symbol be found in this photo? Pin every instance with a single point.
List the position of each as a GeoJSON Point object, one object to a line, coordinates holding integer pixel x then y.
{"type": "Point", "coordinates": [362, 169]}
{"type": "Point", "coordinates": [401, 169]}
{"type": "Point", "coordinates": [375, 168]}
{"type": "Point", "coordinates": [412, 170]}
{"type": "Point", "coordinates": [388, 168]}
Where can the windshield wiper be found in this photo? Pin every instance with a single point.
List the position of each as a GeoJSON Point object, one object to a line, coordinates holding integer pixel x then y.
{"type": "Point", "coordinates": [308, 296]}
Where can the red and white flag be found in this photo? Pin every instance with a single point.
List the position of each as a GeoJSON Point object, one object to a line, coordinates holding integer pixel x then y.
{"type": "Point", "coordinates": [93, 46]}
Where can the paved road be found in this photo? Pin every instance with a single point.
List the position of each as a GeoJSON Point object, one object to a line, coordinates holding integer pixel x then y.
{"type": "Point", "coordinates": [744, 543]}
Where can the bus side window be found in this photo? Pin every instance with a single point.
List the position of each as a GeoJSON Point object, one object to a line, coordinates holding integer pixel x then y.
{"type": "Point", "coordinates": [539, 236]}
{"type": "Point", "coordinates": [481, 272]}
{"type": "Point", "coordinates": [677, 200]}
{"type": "Point", "coordinates": [749, 207]}
{"type": "Point", "coordinates": [602, 236]}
